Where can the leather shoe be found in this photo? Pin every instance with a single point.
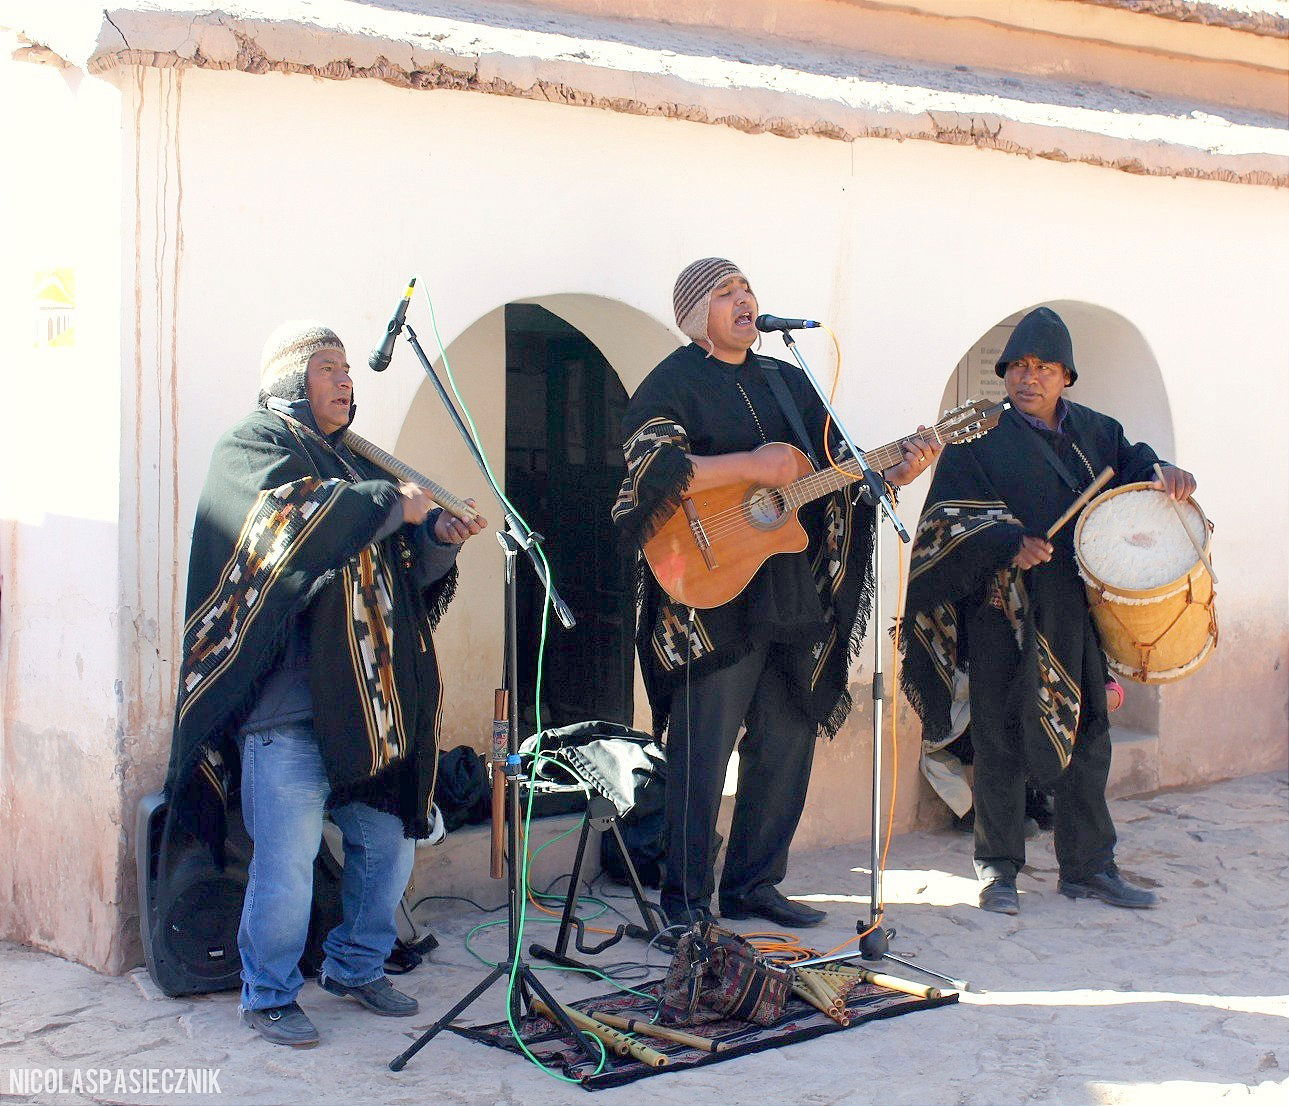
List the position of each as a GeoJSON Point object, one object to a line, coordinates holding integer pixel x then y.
{"type": "Point", "coordinates": [766, 902]}
{"type": "Point", "coordinates": [999, 896]}
{"type": "Point", "coordinates": [282, 1025]}
{"type": "Point", "coordinates": [680, 915]}
{"type": "Point", "coordinates": [1109, 886]}
{"type": "Point", "coordinates": [379, 996]}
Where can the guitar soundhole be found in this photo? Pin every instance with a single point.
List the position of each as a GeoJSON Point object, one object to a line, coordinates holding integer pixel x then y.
{"type": "Point", "coordinates": [765, 508]}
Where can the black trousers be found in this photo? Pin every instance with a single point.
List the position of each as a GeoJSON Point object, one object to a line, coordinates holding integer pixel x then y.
{"type": "Point", "coordinates": [774, 770]}
{"type": "Point", "coordinates": [1083, 829]}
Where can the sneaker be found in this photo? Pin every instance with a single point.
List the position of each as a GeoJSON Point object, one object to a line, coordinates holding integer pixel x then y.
{"type": "Point", "coordinates": [999, 896]}
{"type": "Point", "coordinates": [283, 1025]}
{"type": "Point", "coordinates": [379, 996]}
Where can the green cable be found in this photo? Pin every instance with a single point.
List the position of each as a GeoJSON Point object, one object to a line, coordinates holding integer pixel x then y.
{"type": "Point", "coordinates": [541, 654]}
{"type": "Point", "coordinates": [585, 970]}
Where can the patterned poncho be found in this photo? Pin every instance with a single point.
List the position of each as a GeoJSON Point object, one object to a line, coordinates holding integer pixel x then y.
{"type": "Point", "coordinates": [985, 496]}
{"type": "Point", "coordinates": [813, 604]}
{"type": "Point", "coordinates": [286, 521]}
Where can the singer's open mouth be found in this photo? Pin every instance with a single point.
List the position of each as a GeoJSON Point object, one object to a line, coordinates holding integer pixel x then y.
{"type": "Point", "coordinates": [744, 318]}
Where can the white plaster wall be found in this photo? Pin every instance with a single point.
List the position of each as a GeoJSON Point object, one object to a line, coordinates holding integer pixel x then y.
{"type": "Point", "coordinates": [60, 809]}
{"type": "Point", "coordinates": [309, 197]}
{"type": "Point", "coordinates": [306, 197]}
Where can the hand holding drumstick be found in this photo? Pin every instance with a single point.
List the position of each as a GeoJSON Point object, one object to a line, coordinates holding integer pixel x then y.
{"type": "Point", "coordinates": [1177, 483]}
{"type": "Point", "coordinates": [1034, 550]}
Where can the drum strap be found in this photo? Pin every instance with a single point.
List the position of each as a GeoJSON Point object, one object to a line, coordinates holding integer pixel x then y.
{"type": "Point", "coordinates": [1050, 456]}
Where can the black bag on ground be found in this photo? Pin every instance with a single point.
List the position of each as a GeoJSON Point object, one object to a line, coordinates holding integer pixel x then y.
{"type": "Point", "coordinates": [462, 791]}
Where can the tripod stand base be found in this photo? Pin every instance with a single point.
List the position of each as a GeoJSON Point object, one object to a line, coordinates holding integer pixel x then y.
{"type": "Point", "coordinates": [524, 980]}
{"type": "Point", "coordinates": [874, 944]}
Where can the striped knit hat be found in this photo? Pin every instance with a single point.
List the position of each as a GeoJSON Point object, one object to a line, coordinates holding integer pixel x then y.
{"type": "Point", "coordinates": [284, 363]}
{"type": "Point", "coordinates": [692, 295]}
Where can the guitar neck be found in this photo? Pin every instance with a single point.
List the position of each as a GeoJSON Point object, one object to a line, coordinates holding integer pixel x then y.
{"type": "Point", "coordinates": [816, 485]}
{"type": "Point", "coordinates": [391, 464]}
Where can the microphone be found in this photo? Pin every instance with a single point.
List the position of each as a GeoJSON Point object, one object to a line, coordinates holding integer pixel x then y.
{"type": "Point", "coordinates": [380, 356]}
{"type": "Point", "coordinates": [768, 324]}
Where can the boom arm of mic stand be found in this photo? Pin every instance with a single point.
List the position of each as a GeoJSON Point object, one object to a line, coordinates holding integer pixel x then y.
{"type": "Point", "coordinates": [874, 485]}
{"type": "Point", "coordinates": [524, 538]}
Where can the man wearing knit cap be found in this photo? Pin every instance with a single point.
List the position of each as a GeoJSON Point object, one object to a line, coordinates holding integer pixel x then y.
{"type": "Point", "coordinates": [775, 659]}
{"type": "Point", "coordinates": [308, 682]}
{"type": "Point", "coordinates": [993, 603]}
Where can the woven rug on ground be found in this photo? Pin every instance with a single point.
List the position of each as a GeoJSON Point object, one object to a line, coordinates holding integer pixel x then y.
{"type": "Point", "coordinates": [800, 1022]}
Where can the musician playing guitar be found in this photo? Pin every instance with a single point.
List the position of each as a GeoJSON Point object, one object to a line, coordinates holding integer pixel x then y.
{"type": "Point", "coordinates": [774, 659]}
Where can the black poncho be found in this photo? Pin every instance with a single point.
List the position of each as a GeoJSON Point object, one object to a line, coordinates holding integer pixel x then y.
{"type": "Point", "coordinates": [286, 521]}
{"type": "Point", "coordinates": [815, 602]}
{"type": "Point", "coordinates": [985, 496]}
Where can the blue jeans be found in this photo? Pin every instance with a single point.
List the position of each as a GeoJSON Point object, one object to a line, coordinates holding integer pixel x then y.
{"type": "Point", "coordinates": [284, 794]}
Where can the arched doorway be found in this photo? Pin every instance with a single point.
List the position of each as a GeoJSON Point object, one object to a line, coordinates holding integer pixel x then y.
{"type": "Point", "coordinates": [1118, 375]}
{"type": "Point", "coordinates": [513, 366]}
{"type": "Point", "coordinates": [564, 407]}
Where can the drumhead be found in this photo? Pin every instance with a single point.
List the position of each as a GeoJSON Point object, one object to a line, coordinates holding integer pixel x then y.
{"type": "Point", "coordinates": [1133, 539]}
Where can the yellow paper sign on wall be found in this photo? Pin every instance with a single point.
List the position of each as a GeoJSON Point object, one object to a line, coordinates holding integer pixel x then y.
{"type": "Point", "coordinates": [54, 321]}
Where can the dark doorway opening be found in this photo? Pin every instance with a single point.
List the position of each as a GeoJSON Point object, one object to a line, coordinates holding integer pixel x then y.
{"type": "Point", "coordinates": [564, 407]}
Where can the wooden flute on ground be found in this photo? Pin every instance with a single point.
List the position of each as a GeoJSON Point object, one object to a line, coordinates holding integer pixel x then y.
{"type": "Point", "coordinates": [880, 979]}
{"type": "Point", "coordinates": [615, 1040]}
{"type": "Point", "coordinates": [662, 1032]}
{"type": "Point", "coordinates": [454, 505]}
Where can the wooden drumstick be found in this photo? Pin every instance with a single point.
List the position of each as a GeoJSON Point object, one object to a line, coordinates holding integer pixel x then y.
{"type": "Point", "coordinates": [1078, 505]}
{"type": "Point", "coordinates": [1177, 510]}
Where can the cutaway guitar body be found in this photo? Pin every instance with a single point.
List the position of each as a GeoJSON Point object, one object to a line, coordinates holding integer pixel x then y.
{"type": "Point", "coordinates": [708, 552]}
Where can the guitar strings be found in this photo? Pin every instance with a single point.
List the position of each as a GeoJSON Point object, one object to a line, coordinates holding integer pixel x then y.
{"type": "Point", "coordinates": [802, 490]}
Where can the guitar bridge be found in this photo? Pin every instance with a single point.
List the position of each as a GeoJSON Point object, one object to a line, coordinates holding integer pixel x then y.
{"type": "Point", "coordinates": [700, 535]}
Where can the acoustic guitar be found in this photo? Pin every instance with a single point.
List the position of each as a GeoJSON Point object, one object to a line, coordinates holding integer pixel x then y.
{"type": "Point", "coordinates": [706, 553]}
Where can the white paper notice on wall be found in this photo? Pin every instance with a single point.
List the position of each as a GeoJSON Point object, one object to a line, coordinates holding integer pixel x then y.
{"type": "Point", "coordinates": [975, 374]}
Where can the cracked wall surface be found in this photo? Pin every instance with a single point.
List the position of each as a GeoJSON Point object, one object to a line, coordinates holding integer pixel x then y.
{"type": "Point", "coordinates": [752, 83]}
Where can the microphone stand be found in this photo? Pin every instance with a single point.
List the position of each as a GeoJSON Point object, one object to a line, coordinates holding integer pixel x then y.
{"type": "Point", "coordinates": [874, 944]}
{"type": "Point", "coordinates": [515, 537]}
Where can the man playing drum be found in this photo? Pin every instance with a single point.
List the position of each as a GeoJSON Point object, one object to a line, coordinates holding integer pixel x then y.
{"type": "Point", "coordinates": [993, 604]}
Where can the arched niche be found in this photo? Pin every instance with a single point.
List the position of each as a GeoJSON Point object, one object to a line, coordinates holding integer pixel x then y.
{"type": "Point", "coordinates": [1118, 372]}
{"type": "Point", "coordinates": [1118, 375]}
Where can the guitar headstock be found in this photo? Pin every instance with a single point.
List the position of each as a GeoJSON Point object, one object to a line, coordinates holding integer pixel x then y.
{"type": "Point", "coordinates": [970, 420]}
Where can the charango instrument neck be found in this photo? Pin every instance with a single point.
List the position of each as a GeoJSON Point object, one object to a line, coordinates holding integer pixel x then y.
{"type": "Point", "coordinates": [454, 505]}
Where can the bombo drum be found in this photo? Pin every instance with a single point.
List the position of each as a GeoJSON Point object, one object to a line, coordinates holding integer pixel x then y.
{"type": "Point", "coordinates": [1151, 596]}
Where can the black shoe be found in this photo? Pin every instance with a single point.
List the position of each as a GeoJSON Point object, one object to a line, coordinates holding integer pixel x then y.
{"type": "Point", "coordinates": [999, 896]}
{"type": "Point", "coordinates": [380, 996]}
{"type": "Point", "coordinates": [766, 902]}
{"type": "Point", "coordinates": [283, 1025]}
{"type": "Point", "coordinates": [1109, 886]}
{"type": "Point", "coordinates": [687, 916]}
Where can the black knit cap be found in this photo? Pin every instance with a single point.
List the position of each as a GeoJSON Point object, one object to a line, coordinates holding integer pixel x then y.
{"type": "Point", "coordinates": [1044, 334]}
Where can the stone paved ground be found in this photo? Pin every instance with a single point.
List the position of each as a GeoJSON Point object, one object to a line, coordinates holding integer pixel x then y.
{"type": "Point", "coordinates": [1074, 1002]}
